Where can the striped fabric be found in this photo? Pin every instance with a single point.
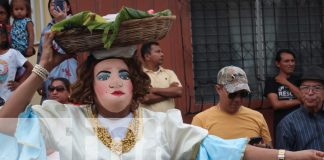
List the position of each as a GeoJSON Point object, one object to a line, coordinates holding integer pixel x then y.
{"type": "Point", "coordinates": [301, 130]}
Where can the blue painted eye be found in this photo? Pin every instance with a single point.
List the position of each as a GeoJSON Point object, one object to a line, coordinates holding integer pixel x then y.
{"type": "Point", "coordinates": [103, 75]}
{"type": "Point", "coordinates": [123, 74]}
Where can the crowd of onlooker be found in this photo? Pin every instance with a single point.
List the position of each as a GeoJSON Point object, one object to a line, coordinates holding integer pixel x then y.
{"type": "Point", "coordinates": [297, 101]}
{"type": "Point", "coordinates": [17, 44]}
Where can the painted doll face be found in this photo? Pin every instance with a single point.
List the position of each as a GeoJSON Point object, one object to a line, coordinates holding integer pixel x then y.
{"type": "Point", "coordinates": [112, 85]}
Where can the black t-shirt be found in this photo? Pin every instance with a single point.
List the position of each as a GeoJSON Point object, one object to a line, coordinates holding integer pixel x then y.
{"type": "Point", "coordinates": [283, 92]}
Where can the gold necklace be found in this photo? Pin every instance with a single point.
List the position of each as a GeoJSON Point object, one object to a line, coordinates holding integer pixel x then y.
{"type": "Point", "coordinates": [133, 134]}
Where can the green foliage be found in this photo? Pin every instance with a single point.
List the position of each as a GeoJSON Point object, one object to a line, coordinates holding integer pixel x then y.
{"type": "Point", "coordinates": [93, 21]}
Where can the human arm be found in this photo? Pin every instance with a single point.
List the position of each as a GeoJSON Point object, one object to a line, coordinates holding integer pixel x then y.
{"type": "Point", "coordinates": [161, 94]}
{"type": "Point", "coordinates": [29, 67]}
{"type": "Point", "coordinates": [151, 98]}
{"type": "Point", "coordinates": [271, 92]}
{"type": "Point", "coordinates": [12, 85]}
{"type": "Point", "coordinates": [173, 91]}
{"type": "Point", "coordinates": [294, 89]}
{"type": "Point", "coordinates": [24, 93]}
{"type": "Point", "coordinates": [30, 48]}
{"type": "Point", "coordinates": [281, 104]}
{"type": "Point", "coordinates": [257, 153]}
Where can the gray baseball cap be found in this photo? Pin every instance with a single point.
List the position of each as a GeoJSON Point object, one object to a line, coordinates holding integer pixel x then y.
{"type": "Point", "coordinates": [233, 78]}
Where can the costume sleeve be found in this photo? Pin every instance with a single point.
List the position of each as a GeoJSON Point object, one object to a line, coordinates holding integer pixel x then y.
{"type": "Point", "coordinates": [213, 148]}
{"type": "Point", "coordinates": [8, 147]}
{"type": "Point", "coordinates": [182, 138]}
{"type": "Point", "coordinates": [55, 123]}
{"type": "Point", "coordinates": [28, 142]}
{"type": "Point", "coordinates": [284, 135]}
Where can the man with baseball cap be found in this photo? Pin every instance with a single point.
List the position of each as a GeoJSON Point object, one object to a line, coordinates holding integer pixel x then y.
{"type": "Point", "coordinates": [229, 119]}
{"type": "Point", "coordinates": [304, 128]}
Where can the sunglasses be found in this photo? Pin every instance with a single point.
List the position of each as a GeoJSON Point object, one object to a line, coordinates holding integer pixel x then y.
{"type": "Point", "coordinates": [57, 88]}
{"type": "Point", "coordinates": [242, 94]}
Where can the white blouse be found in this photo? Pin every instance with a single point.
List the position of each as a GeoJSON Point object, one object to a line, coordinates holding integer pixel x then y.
{"type": "Point", "coordinates": [67, 129]}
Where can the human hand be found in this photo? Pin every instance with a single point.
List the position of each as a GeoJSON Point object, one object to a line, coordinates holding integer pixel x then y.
{"type": "Point", "coordinates": [174, 84]}
{"type": "Point", "coordinates": [281, 79]}
{"type": "Point", "coordinates": [50, 59]}
{"type": "Point", "coordinates": [59, 14]}
{"type": "Point", "coordinates": [12, 85]}
{"type": "Point", "coordinates": [305, 155]}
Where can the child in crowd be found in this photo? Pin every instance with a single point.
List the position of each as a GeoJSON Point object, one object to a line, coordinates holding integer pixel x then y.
{"type": "Point", "coordinates": [10, 60]}
{"type": "Point", "coordinates": [22, 33]}
{"type": "Point", "coordinates": [4, 16]}
{"type": "Point", "coordinates": [4, 12]}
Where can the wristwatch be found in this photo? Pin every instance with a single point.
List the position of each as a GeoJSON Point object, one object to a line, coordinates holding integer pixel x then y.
{"type": "Point", "coordinates": [281, 154]}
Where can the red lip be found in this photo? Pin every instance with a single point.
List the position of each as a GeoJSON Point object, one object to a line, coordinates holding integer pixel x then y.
{"type": "Point", "coordinates": [117, 93]}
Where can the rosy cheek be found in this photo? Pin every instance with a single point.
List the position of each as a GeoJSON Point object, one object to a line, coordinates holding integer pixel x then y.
{"type": "Point", "coordinates": [129, 86]}
{"type": "Point", "coordinates": [100, 87]}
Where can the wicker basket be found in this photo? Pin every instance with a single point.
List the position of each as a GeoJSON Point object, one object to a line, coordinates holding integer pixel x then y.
{"type": "Point", "coordinates": [131, 32]}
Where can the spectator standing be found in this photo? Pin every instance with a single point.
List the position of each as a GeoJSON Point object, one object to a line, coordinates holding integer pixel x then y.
{"type": "Point", "coordinates": [22, 33]}
{"type": "Point", "coordinates": [165, 85]}
{"type": "Point", "coordinates": [4, 12]}
{"type": "Point", "coordinates": [304, 128]}
{"type": "Point", "coordinates": [10, 60]}
{"type": "Point", "coordinates": [5, 15]}
{"type": "Point", "coordinates": [282, 90]}
{"type": "Point", "coordinates": [229, 119]}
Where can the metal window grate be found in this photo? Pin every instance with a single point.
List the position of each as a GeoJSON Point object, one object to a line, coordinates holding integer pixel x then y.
{"type": "Point", "coordinates": [247, 33]}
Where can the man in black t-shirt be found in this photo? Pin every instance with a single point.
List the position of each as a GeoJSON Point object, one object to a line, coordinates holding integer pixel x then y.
{"type": "Point", "coordinates": [282, 90]}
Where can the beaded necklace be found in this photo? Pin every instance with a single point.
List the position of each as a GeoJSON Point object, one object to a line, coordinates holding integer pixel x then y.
{"type": "Point", "coordinates": [133, 134]}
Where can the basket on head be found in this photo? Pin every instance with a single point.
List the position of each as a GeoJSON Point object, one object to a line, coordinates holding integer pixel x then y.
{"type": "Point", "coordinates": [131, 32]}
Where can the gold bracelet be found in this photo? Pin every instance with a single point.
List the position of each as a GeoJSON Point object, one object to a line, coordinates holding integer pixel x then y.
{"type": "Point", "coordinates": [281, 154]}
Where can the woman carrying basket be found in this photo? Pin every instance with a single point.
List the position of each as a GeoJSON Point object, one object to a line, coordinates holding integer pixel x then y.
{"type": "Point", "coordinates": [109, 124]}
